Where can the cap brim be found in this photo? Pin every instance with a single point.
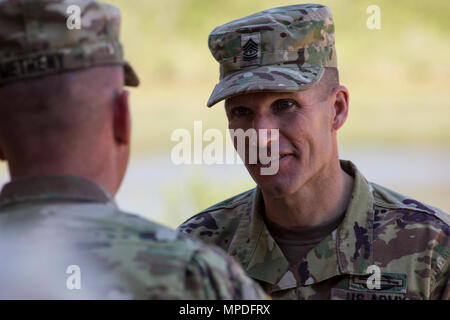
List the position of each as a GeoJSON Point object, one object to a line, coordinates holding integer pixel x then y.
{"type": "Point", "coordinates": [277, 78]}
{"type": "Point", "coordinates": [131, 78]}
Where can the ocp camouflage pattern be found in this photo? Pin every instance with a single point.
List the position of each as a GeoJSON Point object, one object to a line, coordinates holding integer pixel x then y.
{"type": "Point", "coordinates": [408, 240]}
{"type": "Point", "coordinates": [280, 49]}
{"type": "Point", "coordinates": [48, 223]}
{"type": "Point", "coordinates": [35, 39]}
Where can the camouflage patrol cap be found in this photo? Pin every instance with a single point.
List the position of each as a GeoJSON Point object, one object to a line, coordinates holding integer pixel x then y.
{"type": "Point", "coordinates": [280, 49]}
{"type": "Point", "coordinates": [40, 37]}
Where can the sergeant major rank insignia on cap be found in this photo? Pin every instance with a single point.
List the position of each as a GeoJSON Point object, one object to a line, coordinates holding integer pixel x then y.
{"type": "Point", "coordinates": [251, 48]}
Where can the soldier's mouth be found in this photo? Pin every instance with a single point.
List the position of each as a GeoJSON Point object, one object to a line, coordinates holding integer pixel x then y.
{"type": "Point", "coordinates": [269, 160]}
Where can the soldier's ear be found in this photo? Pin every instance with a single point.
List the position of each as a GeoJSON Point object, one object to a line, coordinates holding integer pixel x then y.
{"type": "Point", "coordinates": [122, 119]}
{"type": "Point", "coordinates": [341, 104]}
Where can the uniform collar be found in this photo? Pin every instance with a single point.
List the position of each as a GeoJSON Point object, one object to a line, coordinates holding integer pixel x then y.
{"type": "Point", "coordinates": [263, 259]}
{"type": "Point", "coordinates": [348, 250]}
{"type": "Point", "coordinates": [53, 188]}
{"type": "Point", "coordinates": [355, 234]}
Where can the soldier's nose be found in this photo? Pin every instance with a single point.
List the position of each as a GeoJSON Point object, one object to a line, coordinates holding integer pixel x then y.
{"type": "Point", "coordinates": [266, 131]}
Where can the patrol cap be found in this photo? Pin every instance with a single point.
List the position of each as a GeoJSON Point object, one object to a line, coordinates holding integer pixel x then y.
{"type": "Point", "coordinates": [39, 37]}
{"type": "Point", "coordinates": [280, 49]}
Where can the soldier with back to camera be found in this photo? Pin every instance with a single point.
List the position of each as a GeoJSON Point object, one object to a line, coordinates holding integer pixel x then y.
{"type": "Point", "coordinates": [65, 133]}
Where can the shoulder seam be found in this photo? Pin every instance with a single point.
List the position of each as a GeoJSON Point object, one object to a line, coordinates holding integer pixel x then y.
{"type": "Point", "coordinates": [213, 209]}
{"type": "Point", "coordinates": [386, 205]}
{"type": "Point", "coordinates": [228, 206]}
{"type": "Point", "coordinates": [217, 207]}
{"type": "Point", "coordinates": [234, 205]}
{"type": "Point", "coordinates": [399, 205]}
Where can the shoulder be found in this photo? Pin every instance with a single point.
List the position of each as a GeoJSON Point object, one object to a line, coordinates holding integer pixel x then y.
{"type": "Point", "coordinates": [409, 231]}
{"type": "Point", "coordinates": [405, 213]}
{"type": "Point", "coordinates": [129, 230]}
{"type": "Point", "coordinates": [220, 277]}
{"type": "Point", "coordinates": [414, 211]}
{"type": "Point", "coordinates": [170, 264]}
{"type": "Point", "coordinates": [122, 251]}
{"type": "Point", "coordinates": [214, 223]}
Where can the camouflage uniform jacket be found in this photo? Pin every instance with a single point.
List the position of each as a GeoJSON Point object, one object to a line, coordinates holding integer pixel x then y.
{"type": "Point", "coordinates": [50, 225]}
{"type": "Point", "coordinates": [409, 242]}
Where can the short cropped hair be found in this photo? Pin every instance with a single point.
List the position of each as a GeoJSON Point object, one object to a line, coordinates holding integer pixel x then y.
{"type": "Point", "coordinates": [329, 81]}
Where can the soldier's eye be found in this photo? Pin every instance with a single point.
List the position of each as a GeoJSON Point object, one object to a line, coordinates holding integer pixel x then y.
{"type": "Point", "coordinates": [240, 111]}
{"type": "Point", "coordinates": [284, 105]}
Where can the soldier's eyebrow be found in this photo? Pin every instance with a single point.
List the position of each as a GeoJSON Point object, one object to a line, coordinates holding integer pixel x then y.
{"type": "Point", "coordinates": [293, 100]}
{"type": "Point", "coordinates": [291, 96]}
{"type": "Point", "coordinates": [229, 105]}
{"type": "Point", "coordinates": [266, 98]}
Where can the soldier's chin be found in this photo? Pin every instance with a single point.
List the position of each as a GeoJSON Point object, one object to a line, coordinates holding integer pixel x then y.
{"type": "Point", "coordinates": [278, 185]}
{"type": "Point", "coordinates": [276, 189]}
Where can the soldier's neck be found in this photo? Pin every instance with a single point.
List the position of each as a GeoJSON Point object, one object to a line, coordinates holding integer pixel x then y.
{"type": "Point", "coordinates": [314, 204]}
{"type": "Point", "coordinates": [100, 176]}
